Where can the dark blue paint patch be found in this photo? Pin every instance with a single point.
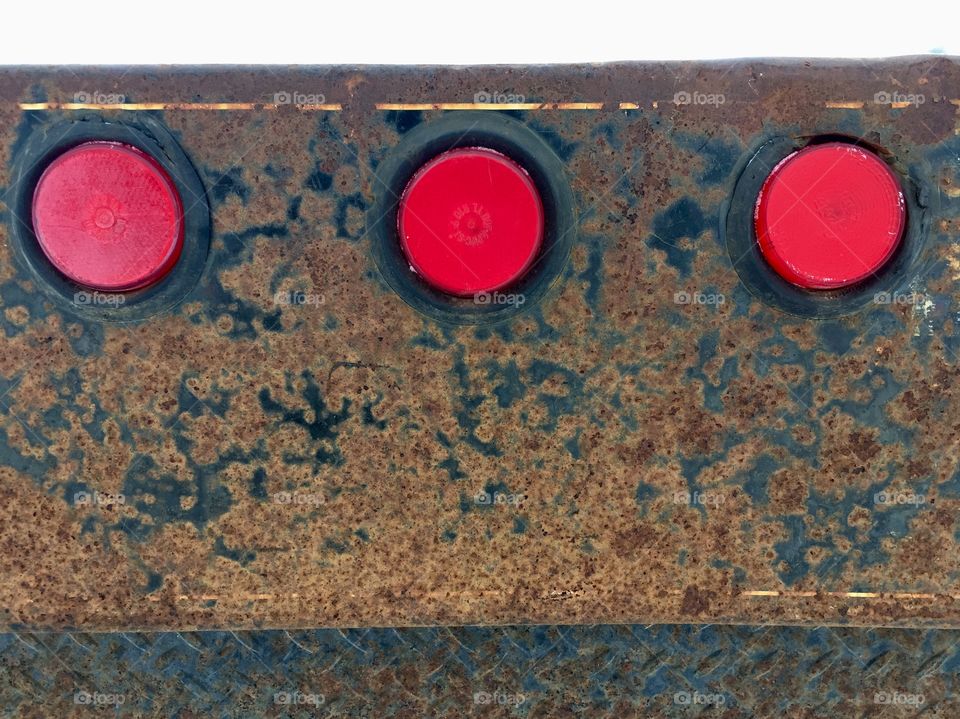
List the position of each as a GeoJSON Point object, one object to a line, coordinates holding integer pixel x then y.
{"type": "Point", "coordinates": [154, 582]}
{"type": "Point", "coordinates": [258, 485]}
{"type": "Point", "coordinates": [682, 220]}
{"type": "Point", "coordinates": [367, 416]}
{"type": "Point", "coordinates": [322, 429]}
{"type": "Point", "coordinates": [609, 133]}
{"type": "Point", "coordinates": [691, 467]}
{"type": "Point", "coordinates": [242, 557]}
{"type": "Point", "coordinates": [882, 387]}
{"type": "Point", "coordinates": [552, 136]}
{"type": "Point", "coordinates": [217, 401]}
{"type": "Point", "coordinates": [713, 392]}
{"type": "Point", "coordinates": [494, 488]}
{"type": "Point", "coordinates": [336, 545]}
{"type": "Point", "coordinates": [35, 468]}
{"type": "Point", "coordinates": [557, 405]}
{"type": "Point", "coordinates": [469, 403]}
{"type": "Point", "coordinates": [403, 120]}
{"type": "Point", "coordinates": [791, 552]}
{"type": "Point", "coordinates": [174, 500]}
{"type": "Point", "coordinates": [89, 524]}
{"type": "Point", "coordinates": [452, 467]}
{"type": "Point", "coordinates": [645, 492]}
{"type": "Point", "coordinates": [319, 181]}
{"type": "Point", "coordinates": [237, 246]}
{"type": "Point", "coordinates": [756, 480]}
{"type": "Point", "coordinates": [506, 382]}
{"type": "Point", "coordinates": [229, 183]}
{"type": "Point", "coordinates": [503, 330]}
{"type": "Point", "coordinates": [592, 274]}
{"type": "Point", "coordinates": [88, 342]}
{"type": "Point", "coordinates": [836, 336]}
{"type": "Point", "coordinates": [719, 157]}
{"type": "Point", "coordinates": [14, 295]}
{"type": "Point", "coordinates": [340, 215]}
{"type": "Point", "coordinates": [890, 522]}
{"type": "Point", "coordinates": [293, 208]}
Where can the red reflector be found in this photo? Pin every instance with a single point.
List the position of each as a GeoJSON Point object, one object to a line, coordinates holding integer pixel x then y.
{"type": "Point", "coordinates": [108, 217]}
{"type": "Point", "coordinates": [829, 216]}
{"type": "Point", "coordinates": [471, 221]}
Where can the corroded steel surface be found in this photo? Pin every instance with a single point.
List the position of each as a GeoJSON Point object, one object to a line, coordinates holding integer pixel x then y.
{"type": "Point", "coordinates": [588, 413]}
{"type": "Point", "coordinates": [536, 672]}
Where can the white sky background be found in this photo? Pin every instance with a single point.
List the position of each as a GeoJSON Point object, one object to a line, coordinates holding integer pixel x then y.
{"type": "Point", "coordinates": [464, 32]}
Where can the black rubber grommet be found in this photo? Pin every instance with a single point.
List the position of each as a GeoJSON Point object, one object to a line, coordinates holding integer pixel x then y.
{"type": "Point", "coordinates": [510, 137]}
{"type": "Point", "coordinates": [738, 233]}
{"type": "Point", "coordinates": [49, 138]}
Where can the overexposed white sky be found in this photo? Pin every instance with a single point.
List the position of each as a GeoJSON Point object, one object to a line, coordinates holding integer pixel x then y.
{"type": "Point", "coordinates": [452, 32]}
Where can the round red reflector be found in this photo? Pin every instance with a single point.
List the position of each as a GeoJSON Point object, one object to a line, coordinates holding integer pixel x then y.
{"type": "Point", "coordinates": [108, 216]}
{"type": "Point", "coordinates": [829, 216]}
{"type": "Point", "coordinates": [471, 221]}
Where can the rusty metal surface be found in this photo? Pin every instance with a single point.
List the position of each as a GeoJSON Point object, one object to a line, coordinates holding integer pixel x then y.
{"type": "Point", "coordinates": [600, 671]}
{"type": "Point", "coordinates": [589, 413]}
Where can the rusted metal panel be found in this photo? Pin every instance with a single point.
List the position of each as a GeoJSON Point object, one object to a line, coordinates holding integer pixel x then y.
{"type": "Point", "coordinates": [298, 443]}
